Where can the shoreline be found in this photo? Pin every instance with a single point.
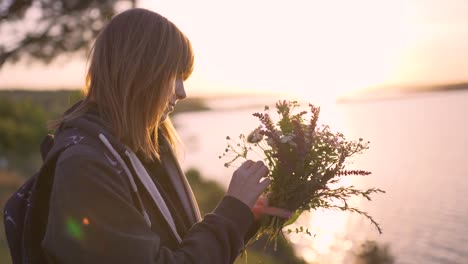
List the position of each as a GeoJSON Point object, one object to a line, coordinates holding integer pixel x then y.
{"type": "Point", "coordinates": [393, 94]}
{"type": "Point", "coordinates": [204, 102]}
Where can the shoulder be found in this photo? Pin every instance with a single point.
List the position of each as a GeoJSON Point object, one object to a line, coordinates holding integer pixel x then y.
{"type": "Point", "coordinates": [80, 152]}
{"type": "Point", "coordinates": [84, 157]}
{"type": "Point", "coordinates": [83, 165]}
{"type": "Point", "coordinates": [80, 149]}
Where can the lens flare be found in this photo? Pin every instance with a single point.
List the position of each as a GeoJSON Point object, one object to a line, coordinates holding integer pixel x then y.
{"type": "Point", "coordinates": [74, 229]}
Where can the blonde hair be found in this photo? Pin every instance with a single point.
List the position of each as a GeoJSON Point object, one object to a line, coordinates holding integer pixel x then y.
{"type": "Point", "coordinates": [134, 63]}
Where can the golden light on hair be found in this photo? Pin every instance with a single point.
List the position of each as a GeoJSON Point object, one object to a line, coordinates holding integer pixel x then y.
{"type": "Point", "coordinates": [133, 66]}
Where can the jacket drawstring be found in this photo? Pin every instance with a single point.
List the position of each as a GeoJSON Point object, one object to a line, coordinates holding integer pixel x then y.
{"type": "Point", "coordinates": [129, 175]}
{"type": "Point", "coordinates": [146, 181]}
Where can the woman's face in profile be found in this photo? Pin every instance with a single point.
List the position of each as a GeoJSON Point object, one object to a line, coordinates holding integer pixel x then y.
{"type": "Point", "coordinates": [178, 93]}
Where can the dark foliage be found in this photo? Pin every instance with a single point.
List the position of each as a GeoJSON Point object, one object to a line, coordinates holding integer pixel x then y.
{"type": "Point", "coordinates": [44, 29]}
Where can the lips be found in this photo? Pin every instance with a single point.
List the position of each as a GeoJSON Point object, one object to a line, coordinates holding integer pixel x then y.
{"type": "Point", "coordinates": [171, 107]}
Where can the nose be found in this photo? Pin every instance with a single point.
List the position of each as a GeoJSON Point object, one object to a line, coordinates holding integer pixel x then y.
{"type": "Point", "coordinates": [180, 89]}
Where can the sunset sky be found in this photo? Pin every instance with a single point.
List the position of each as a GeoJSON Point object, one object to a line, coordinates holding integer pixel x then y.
{"type": "Point", "coordinates": [307, 48]}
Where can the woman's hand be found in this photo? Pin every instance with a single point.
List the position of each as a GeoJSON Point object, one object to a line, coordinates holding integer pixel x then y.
{"type": "Point", "coordinates": [261, 208]}
{"type": "Point", "coordinates": [245, 184]}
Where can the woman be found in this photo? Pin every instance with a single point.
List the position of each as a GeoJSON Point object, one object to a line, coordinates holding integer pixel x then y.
{"type": "Point", "coordinates": [119, 195]}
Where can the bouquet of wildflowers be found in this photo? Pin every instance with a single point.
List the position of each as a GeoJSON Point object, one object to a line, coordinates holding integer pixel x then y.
{"type": "Point", "coordinates": [305, 162]}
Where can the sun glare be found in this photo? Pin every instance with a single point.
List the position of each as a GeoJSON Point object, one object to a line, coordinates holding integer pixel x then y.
{"type": "Point", "coordinates": [307, 48]}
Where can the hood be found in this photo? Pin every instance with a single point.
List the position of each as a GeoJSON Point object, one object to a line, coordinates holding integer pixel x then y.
{"type": "Point", "coordinates": [92, 127]}
{"type": "Point", "coordinates": [89, 125]}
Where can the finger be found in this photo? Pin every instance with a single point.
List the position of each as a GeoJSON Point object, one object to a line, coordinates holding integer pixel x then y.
{"type": "Point", "coordinates": [263, 184]}
{"type": "Point", "coordinates": [275, 211]}
{"type": "Point", "coordinates": [262, 201]}
{"type": "Point", "coordinates": [259, 165]}
{"type": "Point", "coordinates": [247, 164]}
{"type": "Point", "coordinates": [256, 166]}
{"type": "Point", "coordinates": [260, 173]}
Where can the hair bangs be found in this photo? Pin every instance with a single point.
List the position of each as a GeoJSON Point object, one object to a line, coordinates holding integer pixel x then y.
{"type": "Point", "coordinates": [182, 49]}
{"type": "Point", "coordinates": [186, 60]}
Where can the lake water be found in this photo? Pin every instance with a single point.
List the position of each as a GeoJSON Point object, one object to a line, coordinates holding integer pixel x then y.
{"type": "Point", "coordinates": [418, 154]}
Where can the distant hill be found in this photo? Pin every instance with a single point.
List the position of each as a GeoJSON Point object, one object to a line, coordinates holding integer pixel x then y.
{"type": "Point", "coordinates": [395, 93]}
{"type": "Point", "coordinates": [55, 102]}
{"type": "Point", "coordinates": [441, 88]}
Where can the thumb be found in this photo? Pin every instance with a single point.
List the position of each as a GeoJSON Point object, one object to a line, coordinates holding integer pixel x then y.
{"type": "Point", "coordinates": [275, 211]}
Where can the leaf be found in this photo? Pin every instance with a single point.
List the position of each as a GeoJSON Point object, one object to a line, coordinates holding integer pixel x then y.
{"type": "Point", "coordinates": [293, 218]}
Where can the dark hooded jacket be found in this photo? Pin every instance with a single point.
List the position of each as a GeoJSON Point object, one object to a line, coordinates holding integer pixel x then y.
{"type": "Point", "coordinates": [100, 212]}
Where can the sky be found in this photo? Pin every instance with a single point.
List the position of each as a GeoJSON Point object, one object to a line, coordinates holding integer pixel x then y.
{"type": "Point", "coordinates": [308, 48]}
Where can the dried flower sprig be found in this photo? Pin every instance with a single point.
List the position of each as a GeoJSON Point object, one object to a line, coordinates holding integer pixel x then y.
{"type": "Point", "coordinates": [305, 160]}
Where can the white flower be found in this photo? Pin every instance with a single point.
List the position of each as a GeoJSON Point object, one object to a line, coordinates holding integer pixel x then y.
{"type": "Point", "coordinates": [288, 139]}
{"type": "Point", "coordinates": [255, 136]}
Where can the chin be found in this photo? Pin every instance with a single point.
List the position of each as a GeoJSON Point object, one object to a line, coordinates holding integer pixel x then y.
{"type": "Point", "coordinates": [164, 116]}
